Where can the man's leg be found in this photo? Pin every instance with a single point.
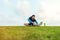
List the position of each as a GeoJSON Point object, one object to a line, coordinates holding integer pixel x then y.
{"type": "Point", "coordinates": [26, 24]}
{"type": "Point", "coordinates": [30, 24]}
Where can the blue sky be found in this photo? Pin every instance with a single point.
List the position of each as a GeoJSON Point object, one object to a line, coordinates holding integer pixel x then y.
{"type": "Point", "coordinates": [16, 12]}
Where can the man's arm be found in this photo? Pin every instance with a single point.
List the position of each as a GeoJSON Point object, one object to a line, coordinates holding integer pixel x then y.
{"type": "Point", "coordinates": [29, 21]}
{"type": "Point", "coordinates": [36, 21]}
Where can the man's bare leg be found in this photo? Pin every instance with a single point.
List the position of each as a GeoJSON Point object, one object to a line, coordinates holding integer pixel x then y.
{"type": "Point", "coordinates": [26, 24]}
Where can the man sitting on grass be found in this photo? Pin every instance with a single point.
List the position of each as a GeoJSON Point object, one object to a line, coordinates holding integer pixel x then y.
{"type": "Point", "coordinates": [32, 21]}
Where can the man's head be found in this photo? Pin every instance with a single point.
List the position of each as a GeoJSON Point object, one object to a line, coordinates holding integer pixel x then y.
{"type": "Point", "coordinates": [33, 16]}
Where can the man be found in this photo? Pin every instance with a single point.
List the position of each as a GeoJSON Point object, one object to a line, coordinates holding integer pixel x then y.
{"type": "Point", "coordinates": [32, 21]}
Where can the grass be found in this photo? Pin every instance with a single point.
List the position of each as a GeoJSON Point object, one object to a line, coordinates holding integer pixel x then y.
{"type": "Point", "coordinates": [30, 33]}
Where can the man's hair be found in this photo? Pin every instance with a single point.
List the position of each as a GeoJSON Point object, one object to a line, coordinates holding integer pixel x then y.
{"type": "Point", "coordinates": [33, 15]}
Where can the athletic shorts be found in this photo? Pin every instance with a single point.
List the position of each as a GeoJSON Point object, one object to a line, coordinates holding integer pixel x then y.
{"type": "Point", "coordinates": [31, 24]}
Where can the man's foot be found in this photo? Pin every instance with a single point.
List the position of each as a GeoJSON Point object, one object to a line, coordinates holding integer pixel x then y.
{"type": "Point", "coordinates": [40, 23]}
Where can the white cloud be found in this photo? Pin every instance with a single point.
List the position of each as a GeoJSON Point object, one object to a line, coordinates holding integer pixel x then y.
{"type": "Point", "coordinates": [23, 9]}
{"type": "Point", "coordinates": [51, 11]}
{"type": "Point", "coordinates": [8, 15]}
{"type": "Point", "coordinates": [7, 19]}
{"type": "Point", "coordinates": [23, 6]}
{"type": "Point", "coordinates": [6, 3]}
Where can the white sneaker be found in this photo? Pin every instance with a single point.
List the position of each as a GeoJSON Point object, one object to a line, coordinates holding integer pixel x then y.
{"type": "Point", "coordinates": [40, 23]}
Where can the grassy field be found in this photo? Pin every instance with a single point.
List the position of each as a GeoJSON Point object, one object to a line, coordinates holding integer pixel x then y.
{"type": "Point", "coordinates": [30, 33]}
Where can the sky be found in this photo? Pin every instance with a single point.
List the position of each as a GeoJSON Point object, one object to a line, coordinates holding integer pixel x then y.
{"type": "Point", "coordinates": [16, 12]}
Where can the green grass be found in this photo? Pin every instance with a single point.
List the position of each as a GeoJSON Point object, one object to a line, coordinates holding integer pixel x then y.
{"type": "Point", "coordinates": [30, 33]}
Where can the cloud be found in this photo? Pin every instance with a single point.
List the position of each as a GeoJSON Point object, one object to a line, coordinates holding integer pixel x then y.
{"type": "Point", "coordinates": [23, 6]}
{"type": "Point", "coordinates": [9, 19]}
{"type": "Point", "coordinates": [23, 9]}
{"type": "Point", "coordinates": [51, 11]}
{"type": "Point", "coordinates": [8, 15]}
{"type": "Point", "coordinates": [6, 3]}
{"type": "Point", "coordinates": [14, 14]}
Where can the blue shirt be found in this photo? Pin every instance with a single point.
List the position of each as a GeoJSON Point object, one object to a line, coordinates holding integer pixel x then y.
{"type": "Point", "coordinates": [30, 20]}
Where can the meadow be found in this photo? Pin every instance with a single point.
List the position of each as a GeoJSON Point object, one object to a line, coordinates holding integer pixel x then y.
{"type": "Point", "coordinates": [29, 33]}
